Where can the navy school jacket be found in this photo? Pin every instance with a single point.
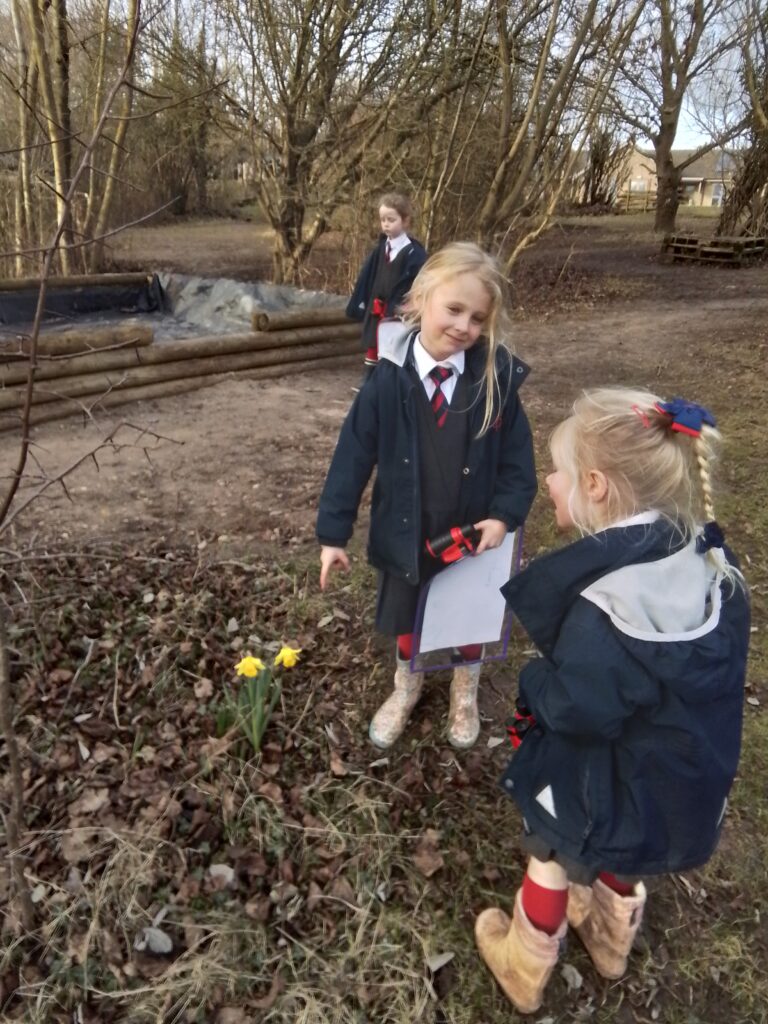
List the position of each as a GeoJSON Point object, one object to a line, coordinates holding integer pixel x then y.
{"type": "Point", "coordinates": [499, 476]}
{"type": "Point", "coordinates": [638, 699]}
{"type": "Point", "coordinates": [413, 260]}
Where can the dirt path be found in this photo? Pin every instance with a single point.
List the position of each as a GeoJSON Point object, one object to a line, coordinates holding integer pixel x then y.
{"type": "Point", "coordinates": [244, 462]}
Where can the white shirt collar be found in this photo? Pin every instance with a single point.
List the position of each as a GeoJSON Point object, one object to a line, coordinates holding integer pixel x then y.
{"type": "Point", "coordinates": [637, 520]}
{"type": "Point", "coordinates": [425, 362]}
{"type": "Point", "coordinates": [396, 244]}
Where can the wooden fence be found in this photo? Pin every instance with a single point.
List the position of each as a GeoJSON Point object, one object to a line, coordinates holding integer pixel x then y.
{"type": "Point", "coordinates": [634, 202]}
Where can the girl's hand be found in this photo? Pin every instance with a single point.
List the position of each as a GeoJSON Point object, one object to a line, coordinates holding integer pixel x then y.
{"type": "Point", "coordinates": [330, 558]}
{"type": "Point", "coordinates": [492, 533]}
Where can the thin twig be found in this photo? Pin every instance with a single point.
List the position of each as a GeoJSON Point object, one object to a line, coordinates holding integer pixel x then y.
{"type": "Point", "coordinates": [83, 664]}
{"type": "Point", "coordinates": [114, 693]}
{"type": "Point", "coordinates": [107, 442]}
{"type": "Point", "coordinates": [14, 819]}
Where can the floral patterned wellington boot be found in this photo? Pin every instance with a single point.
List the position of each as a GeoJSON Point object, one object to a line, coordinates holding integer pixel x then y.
{"type": "Point", "coordinates": [389, 721]}
{"type": "Point", "coordinates": [520, 956]}
{"type": "Point", "coordinates": [463, 717]}
{"type": "Point", "coordinates": [606, 923]}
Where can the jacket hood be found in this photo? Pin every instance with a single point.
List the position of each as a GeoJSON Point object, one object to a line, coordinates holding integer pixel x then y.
{"type": "Point", "coordinates": [668, 605]}
{"type": "Point", "coordinates": [541, 595]}
{"type": "Point", "coordinates": [668, 614]}
{"type": "Point", "coordinates": [394, 341]}
{"type": "Point", "coordinates": [673, 598]}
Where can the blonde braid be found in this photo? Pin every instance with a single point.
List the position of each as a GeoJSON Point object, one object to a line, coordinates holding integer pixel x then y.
{"type": "Point", "coordinates": [703, 451]}
{"type": "Point", "coordinates": [704, 448]}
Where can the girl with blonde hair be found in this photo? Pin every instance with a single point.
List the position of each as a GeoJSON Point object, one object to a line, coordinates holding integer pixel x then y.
{"type": "Point", "coordinates": [442, 423]}
{"type": "Point", "coordinates": [628, 726]}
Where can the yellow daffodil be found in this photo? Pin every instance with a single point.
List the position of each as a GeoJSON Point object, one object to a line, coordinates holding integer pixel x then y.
{"type": "Point", "coordinates": [249, 666]}
{"type": "Point", "coordinates": [288, 656]}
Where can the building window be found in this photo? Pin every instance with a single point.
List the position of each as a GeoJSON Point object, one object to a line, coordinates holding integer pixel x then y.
{"type": "Point", "coordinates": [718, 191]}
{"type": "Point", "coordinates": [638, 185]}
{"type": "Point", "coordinates": [724, 164]}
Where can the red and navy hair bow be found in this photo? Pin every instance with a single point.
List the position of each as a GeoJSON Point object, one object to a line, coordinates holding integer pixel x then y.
{"type": "Point", "coordinates": [686, 417]}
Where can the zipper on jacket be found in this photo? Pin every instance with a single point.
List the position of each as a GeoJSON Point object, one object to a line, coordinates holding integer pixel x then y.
{"type": "Point", "coordinates": [416, 532]}
{"type": "Point", "coordinates": [587, 808]}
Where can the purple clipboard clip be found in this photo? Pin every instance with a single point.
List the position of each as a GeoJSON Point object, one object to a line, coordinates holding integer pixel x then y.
{"type": "Point", "coordinates": [446, 657]}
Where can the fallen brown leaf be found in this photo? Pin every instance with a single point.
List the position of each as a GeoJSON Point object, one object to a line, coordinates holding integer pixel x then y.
{"type": "Point", "coordinates": [89, 801]}
{"type": "Point", "coordinates": [427, 857]}
{"type": "Point", "coordinates": [203, 689]}
{"type": "Point", "coordinates": [59, 675]}
{"type": "Point", "coordinates": [314, 897]}
{"type": "Point", "coordinates": [338, 768]}
{"type": "Point", "coordinates": [340, 889]}
{"type": "Point", "coordinates": [268, 1001]}
{"type": "Point", "coordinates": [271, 791]}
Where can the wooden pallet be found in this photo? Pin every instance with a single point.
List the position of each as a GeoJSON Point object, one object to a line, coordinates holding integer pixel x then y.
{"type": "Point", "coordinates": [681, 247]}
{"type": "Point", "coordinates": [727, 256]}
{"type": "Point", "coordinates": [726, 252]}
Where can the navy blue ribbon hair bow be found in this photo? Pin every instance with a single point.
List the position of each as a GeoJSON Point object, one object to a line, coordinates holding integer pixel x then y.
{"type": "Point", "coordinates": [686, 417]}
{"type": "Point", "coordinates": [712, 536]}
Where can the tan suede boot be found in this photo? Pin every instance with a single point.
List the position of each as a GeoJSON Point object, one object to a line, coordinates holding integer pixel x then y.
{"type": "Point", "coordinates": [606, 923]}
{"type": "Point", "coordinates": [463, 717]}
{"type": "Point", "coordinates": [389, 721]}
{"type": "Point", "coordinates": [520, 956]}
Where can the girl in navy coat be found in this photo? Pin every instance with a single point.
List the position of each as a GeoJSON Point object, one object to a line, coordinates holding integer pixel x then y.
{"type": "Point", "coordinates": [441, 421]}
{"type": "Point", "coordinates": [629, 724]}
{"type": "Point", "coordinates": [386, 275]}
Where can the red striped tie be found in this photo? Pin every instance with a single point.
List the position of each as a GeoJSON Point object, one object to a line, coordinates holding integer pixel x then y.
{"type": "Point", "coordinates": [387, 252]}
{"type": "Point", "coordinates": [440, 375]}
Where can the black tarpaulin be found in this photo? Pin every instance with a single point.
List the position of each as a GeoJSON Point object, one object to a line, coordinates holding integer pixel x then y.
{"type": "Point", "coordinates": [68, 303]}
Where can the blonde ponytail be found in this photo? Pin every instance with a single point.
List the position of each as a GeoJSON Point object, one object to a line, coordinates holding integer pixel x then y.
{"type": "Point", "coordinates": [652, 459]}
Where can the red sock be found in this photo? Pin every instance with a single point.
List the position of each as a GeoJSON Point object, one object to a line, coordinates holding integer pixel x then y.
{"type": "Point", "coordinates": [471, 652]}
{"type": "Point", "coordinates": [405, 646]}
{"type": "Point", "coordinates": [613, 883]}
{"type": "Point", "coordinates": [545, 907]}
{"type": "Point", "coordinates": [372, 354]}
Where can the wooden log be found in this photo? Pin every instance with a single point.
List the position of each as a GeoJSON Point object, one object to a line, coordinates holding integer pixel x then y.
{"type": "Point", "coordinates": [99, 383]}
{"type": "Point", "coordinates": [60, 410]}
{"type": "Point", "coordinates": [79, 341]}
{"type": "Point", "coordinates": [187, 348]}
{"type": "Point", "coordinates": [19, 284]}
{"type": "Point", "coordinates": [299, 318]}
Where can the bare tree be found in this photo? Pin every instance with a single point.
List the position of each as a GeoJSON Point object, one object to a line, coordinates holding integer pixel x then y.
{"type": "Point", "coordinates": [608, 151]}
{"type": "Point", "coordinates": [746, 204]}
{"type": "Point", "coordinates": [565, 56]}
{"type": "Point", "coordinates": [677, 43]}
{"type": "Point", "coordinates": [59, 92]}
{"type": "Point", "coordinates": [323, 80]}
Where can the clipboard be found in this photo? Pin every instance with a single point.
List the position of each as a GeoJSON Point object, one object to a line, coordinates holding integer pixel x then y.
{"type": "Point", "coordinates": [463, 605]}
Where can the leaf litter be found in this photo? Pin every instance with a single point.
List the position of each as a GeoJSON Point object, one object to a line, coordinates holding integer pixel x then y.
{"type": "Point", "coordinates": [177, 880]}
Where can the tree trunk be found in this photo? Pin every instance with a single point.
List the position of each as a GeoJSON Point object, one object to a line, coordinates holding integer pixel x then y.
{"type": "Point", "coordinates": [95, 253]}
{"type": "Point", "coordinates": [668, 183]}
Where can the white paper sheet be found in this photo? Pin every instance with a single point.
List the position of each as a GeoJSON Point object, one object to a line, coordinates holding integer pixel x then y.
{"type": "Point", "coordinates": [464, 604]}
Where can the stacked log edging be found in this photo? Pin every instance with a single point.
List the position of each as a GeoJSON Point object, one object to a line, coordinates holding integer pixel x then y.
{"type": "Point", "coordinates": [25, 284]}
{"type": "Point", "coordinates": [82, 369]}
{"type": "Point", "coordinates": [76, 342]}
